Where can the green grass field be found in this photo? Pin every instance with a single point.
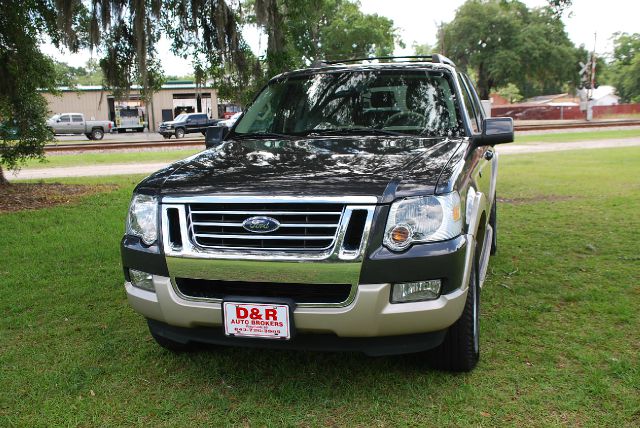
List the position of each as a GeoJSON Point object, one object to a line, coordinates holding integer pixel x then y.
{"type": "Point", "coordinates": [560, 324]}
{"type": "Point", "coordinates": [81, 159]}
{"type": "Point", "coordinates": [567, 137]}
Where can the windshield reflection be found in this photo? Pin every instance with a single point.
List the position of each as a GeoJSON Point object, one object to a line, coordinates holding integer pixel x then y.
{"type": "Point", "coordinates": [401, 102]}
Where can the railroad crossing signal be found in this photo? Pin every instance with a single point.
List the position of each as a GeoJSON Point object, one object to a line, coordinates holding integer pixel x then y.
{"type": "Point", "coordinates": [588, 73]}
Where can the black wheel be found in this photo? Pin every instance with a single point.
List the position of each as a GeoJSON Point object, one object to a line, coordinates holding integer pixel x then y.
{"type": "Point", "coordinates": [179, 133]}
{"type": "Point", "coordinates": [89, 136]}
{"type": "Point", "coordinates": [170, 345]}
{"type": "Point", "coordinates": [166, 137]}
{"type": "Point", "coordinates": [97, 134]}
{"type": "Point", "coordinates": [493, 222]}
{"type": "Point", "coordinates": [204, 133]}
{"type": "Point", "coordinates": [460, 350]}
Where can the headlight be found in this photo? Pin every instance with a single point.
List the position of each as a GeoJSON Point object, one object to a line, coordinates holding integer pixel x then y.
{"type": "Point", "coordinates": [423, 219]}
{"type": "Point", "coordinates": [142, 220]}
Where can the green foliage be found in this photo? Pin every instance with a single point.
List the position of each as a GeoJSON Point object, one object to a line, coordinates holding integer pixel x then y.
{"type": "Point", "coordinates": [24, 70]}
{"type": "Point", "coordinates": [301, 32]}
{"type": "Point", "coordinates": [624, 70]}
{"type": "Point", "coordinates": [422, 49]}
{"type": "Point", "coordinates": [90, 74]}
{"type": "Point", "coordinates": [510, 92]}
{"type": "Point", "coordinates": [505, 42]}
{"type": "Point", "coordinates": [559, 6]}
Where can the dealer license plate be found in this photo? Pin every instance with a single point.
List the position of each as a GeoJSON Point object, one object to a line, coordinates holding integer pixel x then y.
{"type": "Point", "coordinates": [263, 320]}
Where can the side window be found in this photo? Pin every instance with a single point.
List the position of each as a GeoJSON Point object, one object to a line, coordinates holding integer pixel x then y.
{"type": "Point", "coordinates": [476, 100]}
{"type": "Point", "coordinates": [76, 118]}
{"type": "Point", "coordinates": [65, 118]}
{"type": "Point", "coordinates": [468, 104]}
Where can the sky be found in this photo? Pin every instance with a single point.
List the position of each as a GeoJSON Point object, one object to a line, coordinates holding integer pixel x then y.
{"type": "Point", "coordinates": [417, 22]}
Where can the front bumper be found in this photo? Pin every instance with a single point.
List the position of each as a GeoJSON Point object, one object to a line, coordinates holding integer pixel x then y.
{"type": "Point", "coordinates": [369, 315]}
{"type": "Point", "coordinates": [366, 313]}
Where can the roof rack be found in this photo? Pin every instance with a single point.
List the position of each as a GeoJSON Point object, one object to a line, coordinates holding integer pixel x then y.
{"type": "Point", "coordinates": [435, 58]}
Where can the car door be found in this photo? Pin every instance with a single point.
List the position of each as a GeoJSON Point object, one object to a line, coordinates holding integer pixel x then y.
{"type": "Point", "coordinates": [490, 169]}
{"type": "Point", "coordinates": [482, 156]}
{"type": "Point", "coordinates": [63, 125]}
{"type": "Point", "coordinates": [201, 122]}
{"type": "Point", "coordinates": [77, 124]}
{"type": "Point", "coordinates": [192, 122]}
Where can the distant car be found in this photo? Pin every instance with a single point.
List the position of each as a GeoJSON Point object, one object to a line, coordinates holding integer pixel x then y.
{"type": "Point", "coordinates": [231, 121]}
{"type": "Point", "coordinates": [186, 123]}
{"type": "Point", "coordinates": [74, 123]}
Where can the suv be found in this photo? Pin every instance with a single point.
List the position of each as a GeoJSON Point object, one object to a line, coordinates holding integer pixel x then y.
{"type": "Point", "coordinates": [351, 207]}
{"type": "Point", "coordinates": [186, 123]}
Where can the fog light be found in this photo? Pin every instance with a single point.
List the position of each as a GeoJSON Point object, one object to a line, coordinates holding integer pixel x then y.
{"type": "Point", "coordinates": [141, 280]}
{"type": "Point", "coordinates": [415, 291]}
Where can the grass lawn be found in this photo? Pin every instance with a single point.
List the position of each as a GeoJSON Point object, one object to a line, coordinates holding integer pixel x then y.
{"type": "Point", "coordinates": [567, 137]}
{"type": "Point", "coordinates": [560, 324]}
{"type": "Point", "coordinates": [112, 158]}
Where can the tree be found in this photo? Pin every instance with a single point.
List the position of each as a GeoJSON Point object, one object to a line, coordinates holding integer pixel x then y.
{"type": "Point", "coordinates": [90, 74]}
{"type": "Point", "coordinates": [510, 92]}
{"type": "Point", "coordinates": [505, 42]}
{"type": "Point", "coordinates": [422, 49]}
{"type": "Point", "coordinates": [24, 72]}
{"type": "Point", "coordinates": [624, 71]}
{"type": "Point", "coordinates": [301, 32]}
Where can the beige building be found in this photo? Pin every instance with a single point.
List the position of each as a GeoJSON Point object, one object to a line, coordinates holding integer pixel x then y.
{"type": "Point", "coordinates": [129, 114]}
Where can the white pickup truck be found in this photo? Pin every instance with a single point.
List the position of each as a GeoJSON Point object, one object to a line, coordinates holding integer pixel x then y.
{"type": "Point", "coordinates": [74, 123]}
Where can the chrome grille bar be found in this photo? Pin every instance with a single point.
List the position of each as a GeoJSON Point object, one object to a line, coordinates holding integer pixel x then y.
{"type": "Point", "coordinates": [302, 226]}
{"type": "Point", "coordinates": [258, 212]}
{"type": "Point", "coordinates": [225, 224]}
{"type": "Point", "coordinates": [283, 237]}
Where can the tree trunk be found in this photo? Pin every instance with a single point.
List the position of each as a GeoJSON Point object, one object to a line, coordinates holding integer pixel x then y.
{"type": "Point", "coordinates": [3, 179]}
{"type": "Point", "coordinates": [483, 82]}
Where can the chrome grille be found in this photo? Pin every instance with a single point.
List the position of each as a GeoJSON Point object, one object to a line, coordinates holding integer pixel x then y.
{"type": "Point", "coordinates": [303, 226]}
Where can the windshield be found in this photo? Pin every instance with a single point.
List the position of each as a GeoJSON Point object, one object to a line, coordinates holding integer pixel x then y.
{"type": "Point", "coordinates": [407, 102]}
{"type": "Point", "coordinates": [181, 118]}
{"type": "Point", "coordinates": [54, 117]}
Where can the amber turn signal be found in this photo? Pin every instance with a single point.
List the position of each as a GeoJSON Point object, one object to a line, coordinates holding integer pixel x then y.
{"type": "Point", "coordinates": [400, 234]}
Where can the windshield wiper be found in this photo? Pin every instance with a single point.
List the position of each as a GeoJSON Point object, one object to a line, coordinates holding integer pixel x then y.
{"type": "Point", "coordinates": [258, 135]}
{"type": "Point", "coordinates": [353, 131]}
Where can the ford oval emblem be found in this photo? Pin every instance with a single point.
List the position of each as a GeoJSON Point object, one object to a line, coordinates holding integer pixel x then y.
{"type": "Point", "coordinates": [261, 224]}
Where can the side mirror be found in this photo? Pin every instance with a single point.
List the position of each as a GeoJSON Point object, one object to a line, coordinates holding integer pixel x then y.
{"type": "Point", "coordinates": [496, 130]}
{"type": "Point", "coordinates": [58, 120]}
{"type": "Point", "coordinates": [188, 120]}
{"type": "Point", "coordinates": [215, 135]}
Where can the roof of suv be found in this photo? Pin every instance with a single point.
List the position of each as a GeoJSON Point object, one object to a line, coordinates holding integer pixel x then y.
{"type": "Point", "coordinates": [415, 62]}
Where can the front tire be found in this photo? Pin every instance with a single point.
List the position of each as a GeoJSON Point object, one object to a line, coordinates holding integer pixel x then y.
{"type": "Point", "coordinates": [460, 350]}
{"type": "Point", "coordinates": [97, 134]}
{"type": "Point", "coordinates": [179, 133]}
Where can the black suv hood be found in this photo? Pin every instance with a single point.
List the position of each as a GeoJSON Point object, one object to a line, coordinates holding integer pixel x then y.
{"type": "Point", "coordinates": [386, 167]}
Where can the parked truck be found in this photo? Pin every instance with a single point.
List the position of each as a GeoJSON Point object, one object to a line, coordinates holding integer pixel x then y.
{"type": "Point", "coordinates": [75, 123]}
{"type": "Point", "coordinates": [186, 123]}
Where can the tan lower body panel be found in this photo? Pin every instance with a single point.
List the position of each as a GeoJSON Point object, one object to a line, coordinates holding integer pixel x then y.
{"type": "Point", "coordinates": [370, 314]}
